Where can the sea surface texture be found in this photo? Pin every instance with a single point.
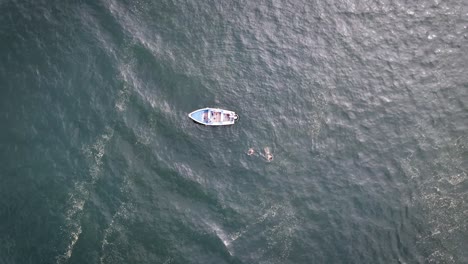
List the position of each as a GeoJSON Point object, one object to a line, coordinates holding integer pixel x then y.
{"type": "Point", "coordinates": [363, 105]}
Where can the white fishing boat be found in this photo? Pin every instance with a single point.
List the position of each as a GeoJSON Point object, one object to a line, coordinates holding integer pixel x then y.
{"type": "Point", "coordinates": [214, 116]}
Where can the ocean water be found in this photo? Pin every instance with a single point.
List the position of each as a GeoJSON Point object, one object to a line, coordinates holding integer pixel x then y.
{"type": "Point", "coordinates": [363, 104]}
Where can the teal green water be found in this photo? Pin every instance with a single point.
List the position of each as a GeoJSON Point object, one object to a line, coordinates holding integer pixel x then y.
{"type": "Point", "coordinates": [363, 105]}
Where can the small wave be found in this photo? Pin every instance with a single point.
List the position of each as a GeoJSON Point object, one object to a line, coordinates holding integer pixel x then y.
{"type": "Point", "coordinates": [80, 194]}
{"type": "Point", "coordinates": [222, 235]}
{"type": "Point", "coordinates": [74, 238]}
{"type": "Point", "coordinates": [188, 173]}
{"type": "Point", "coordinates": [130, 82]}
{"type": "Point", "coordinates": [138, 32]}
{"type": "Point", "coordinates": [122, 98]}
{"type": "Point", "coordinates": [96, 152]}
{"type": "Point", "coordinates": [132, 25]}
{"type": "Point", "coordinates": [122, 214]}
{"type": "Point", "coordinates": [126, 75]}
{"type": "Point", "coordinates": [277, 224]}
{"type": "Point", "coordinates": [443, 202]}
{"type": "Point", "coordinates": [168, 260]}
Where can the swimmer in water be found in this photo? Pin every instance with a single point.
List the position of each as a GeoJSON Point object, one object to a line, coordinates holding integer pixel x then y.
{"type": "Point", "coordinates": [268, 155]}
{"type": "Point", "coordinates": [250, 152]}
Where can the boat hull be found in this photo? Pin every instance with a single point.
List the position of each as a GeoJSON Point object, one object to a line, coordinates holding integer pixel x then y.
{"type": "Point", "coordinates": [213, 116]}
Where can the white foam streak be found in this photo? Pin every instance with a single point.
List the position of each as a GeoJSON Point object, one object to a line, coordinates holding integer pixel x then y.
{"type": "Point", "coordinates": [80, 193]}
{"type": "Point", "coordinates": [277, 224]}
